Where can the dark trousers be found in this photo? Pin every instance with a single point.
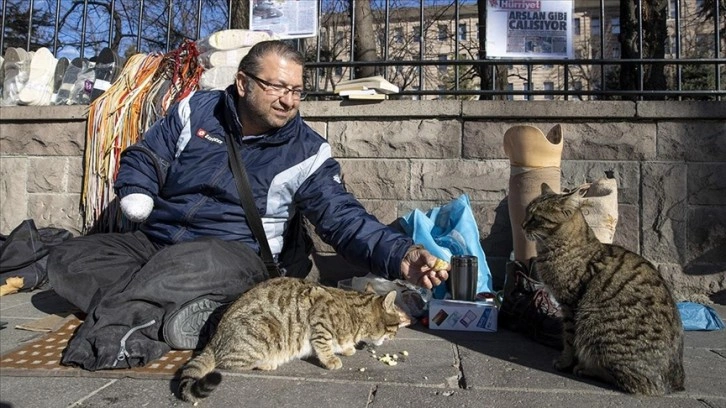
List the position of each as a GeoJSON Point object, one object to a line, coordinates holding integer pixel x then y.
{"type": "Point", "coordinates": [128, 286]}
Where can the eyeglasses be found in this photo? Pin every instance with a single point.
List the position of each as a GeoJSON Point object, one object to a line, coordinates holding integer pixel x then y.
{"type": "Point", "coordinates": [278, 89]}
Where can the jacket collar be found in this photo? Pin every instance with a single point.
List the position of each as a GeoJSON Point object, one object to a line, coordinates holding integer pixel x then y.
{"type": "Point", "coordinates": [234, 126]}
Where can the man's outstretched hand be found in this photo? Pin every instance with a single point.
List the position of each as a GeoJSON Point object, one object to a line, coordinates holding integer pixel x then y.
{"type": "Point", "coordinates": [423, 269]}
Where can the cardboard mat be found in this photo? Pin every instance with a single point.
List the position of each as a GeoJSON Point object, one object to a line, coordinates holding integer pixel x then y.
{"type": "Point", "coordinates": [41, 358]}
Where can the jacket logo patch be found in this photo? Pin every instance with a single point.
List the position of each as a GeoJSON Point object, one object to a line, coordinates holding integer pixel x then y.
{"type": "Point", "coordinates": [201, 133]}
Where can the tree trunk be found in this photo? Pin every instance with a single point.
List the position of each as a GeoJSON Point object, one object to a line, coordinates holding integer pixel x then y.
{"type": "Point", "coordinates": [654, 39]}
{"type": "Point", "coordinates": [240, 12]}
{"type": "Point", "coordinates": [495, 78]}
{"type": "Point", "coordinates": [655, 35]}
{"type": "Point", "coordinates": [365, 38]}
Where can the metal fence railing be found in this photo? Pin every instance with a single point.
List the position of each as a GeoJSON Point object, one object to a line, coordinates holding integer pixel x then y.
{"type": "Point", "coordinates": [411, 50]}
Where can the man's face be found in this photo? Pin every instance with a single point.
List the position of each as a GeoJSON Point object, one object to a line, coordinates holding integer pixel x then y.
{"type": "Point", "coordinates": [266, 99]}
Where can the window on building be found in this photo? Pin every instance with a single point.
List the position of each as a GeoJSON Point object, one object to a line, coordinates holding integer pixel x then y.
{"type": "Point", "coordinates": [615, 51]}
{"type": "Point", "coordinates": [510, 88]}
{"type": "Point", "coordinates": [398, 34]}
{"type": "Point", "coordinates": [415, 97]}
{"type": "Point", "coordinates": [443, 68]}
{"type": "Point", "coordinates": [440, 88]}
{"type": "Point", "coordinates": [576, 26]}
{"type": "Point", "coordinates": [339, 37]}
{"type": "Point", "coordinates": [462, 31]}
{"type": "Point", "coordinates": [443, 32]}
{"type": "Point", "coordinates": [527, 88]}
{"type": "Point", "coordinates": [699, 5]}
{"type": "Point", "coordinates": [595, 26]}
{"type": "Point", "coordinates": [703, 44]}
{"type": "Point", "coordinates": [577, 87]}
{"type": "Point", "coordinates": [338, 69]}
{"type": "Point", "coordinates": [399, 67]}
{"type": "Point", "coordinates": [670, 45]}
{"type": "Point", "coordinates": [615, 25]}
{"type": "Point", "coordinates": [416, 33]}
{"type": "Point", "coordinates": [672, 8]}
{"type": "Point", "coordinates": [549, 86]}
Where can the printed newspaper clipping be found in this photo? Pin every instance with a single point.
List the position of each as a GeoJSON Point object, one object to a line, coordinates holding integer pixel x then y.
{"type": "Point", "coordinates": [532, 28]}
{"type": "Point", "coordinates": [285, 18]}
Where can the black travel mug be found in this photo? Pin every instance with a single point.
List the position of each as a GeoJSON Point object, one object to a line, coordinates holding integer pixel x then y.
{"type": "Point", "coordinates": [463, 277]}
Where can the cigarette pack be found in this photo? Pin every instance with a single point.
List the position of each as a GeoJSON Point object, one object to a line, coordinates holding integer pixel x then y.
{"type": "Point", "coordinates": [462, 315]}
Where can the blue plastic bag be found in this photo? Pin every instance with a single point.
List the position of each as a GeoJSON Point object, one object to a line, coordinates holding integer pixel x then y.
{"type": "Point", "coordinates": [450, 230]}
{"type": "Point", "coordinates": [696, 316]}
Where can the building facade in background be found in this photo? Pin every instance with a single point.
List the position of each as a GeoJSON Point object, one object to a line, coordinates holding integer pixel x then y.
{"type": "Point", "coordinates": [447, 33]}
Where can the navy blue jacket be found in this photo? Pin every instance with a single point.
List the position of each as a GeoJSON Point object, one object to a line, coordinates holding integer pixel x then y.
{"type": "Point", "coordinates": [182, 164]}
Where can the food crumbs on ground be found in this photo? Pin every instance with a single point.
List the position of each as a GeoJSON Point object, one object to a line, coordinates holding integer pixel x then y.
{"type": "Point", "coordinates": [390, 360]}
{"type": "Point", "coordinates": [362, 369]}
{"type": "Point", "coordinates": [404, 353]}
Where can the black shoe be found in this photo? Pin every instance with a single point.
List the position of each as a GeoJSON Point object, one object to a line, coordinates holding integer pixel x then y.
{"type": "Point", "coordinates": [528, 308]}
{"type": "Point", "coordinates": [190, 327]}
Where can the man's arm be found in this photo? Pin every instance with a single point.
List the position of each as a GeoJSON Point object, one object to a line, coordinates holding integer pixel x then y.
{"type": "Point", "coordinates": [342, 222]}
{"type": "Point", "coordinates": [144, 165]}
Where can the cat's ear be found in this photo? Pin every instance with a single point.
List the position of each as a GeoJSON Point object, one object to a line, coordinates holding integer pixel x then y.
{"type": "Point", "coordinates": [546, 189]}
{"type": "Point", "coordinates": [390, 300]}
{"type": "Point", "coordinates": [572, 202]}
{"type": "Point", "coordinates": [369, 288]}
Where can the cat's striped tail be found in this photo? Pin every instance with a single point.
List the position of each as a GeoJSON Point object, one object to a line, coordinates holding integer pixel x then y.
{"type": "Point", "coordinates": [199, 378]}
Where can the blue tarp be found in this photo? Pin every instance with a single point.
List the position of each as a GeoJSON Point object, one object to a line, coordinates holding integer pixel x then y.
{"type": "Point", "coordinates": [696, 316]}
{"type": "Point", "coordinates": [450, 230]}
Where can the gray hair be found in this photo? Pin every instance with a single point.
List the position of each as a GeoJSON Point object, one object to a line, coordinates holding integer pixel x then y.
{"type": "Point", "coordinates": [252, 61]}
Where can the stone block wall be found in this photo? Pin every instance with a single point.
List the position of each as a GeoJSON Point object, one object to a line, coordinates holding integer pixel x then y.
{"type": "Point", "coordinates": [669, 159]}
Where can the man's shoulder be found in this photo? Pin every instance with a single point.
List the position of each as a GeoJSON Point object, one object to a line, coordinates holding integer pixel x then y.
{"type": "Point", "coordinates": [206, 96]}
{"type": "Point", "coordinates": [202, 106]}
{"type": "Point", "coordinates": [311, 134]}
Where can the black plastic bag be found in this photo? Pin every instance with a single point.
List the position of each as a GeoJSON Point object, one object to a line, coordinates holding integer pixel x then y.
{"type": "Point", "coordinates": [24, 253]}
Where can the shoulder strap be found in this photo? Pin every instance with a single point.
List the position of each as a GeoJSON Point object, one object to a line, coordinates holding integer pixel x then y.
{"type": "Point", "coordinates": [253, 216]}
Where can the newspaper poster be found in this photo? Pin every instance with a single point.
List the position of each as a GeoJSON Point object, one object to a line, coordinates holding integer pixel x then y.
{"type": "Point", "coordinates": [285, 18]}
{"type": "Point", "coordinates": [529, 28]}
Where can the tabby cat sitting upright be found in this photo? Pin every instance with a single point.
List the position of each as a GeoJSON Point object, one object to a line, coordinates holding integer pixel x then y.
{"type": "Point", "coordinates": [286, 318]}
{"type": "Point", "coordinates": [620, 321]}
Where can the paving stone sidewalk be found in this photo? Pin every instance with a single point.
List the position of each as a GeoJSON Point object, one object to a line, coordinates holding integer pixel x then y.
{"type": "Point", "coordinates": [442, 369]}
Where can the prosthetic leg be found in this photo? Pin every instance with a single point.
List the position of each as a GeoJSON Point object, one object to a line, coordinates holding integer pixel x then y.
{"type": "Point", "coordinates": [526, 306]}
{"type": "Point", "coordinates": [534, 159]}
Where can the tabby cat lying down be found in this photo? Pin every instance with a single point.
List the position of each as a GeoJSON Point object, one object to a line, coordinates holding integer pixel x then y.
{"type": "Point", "coordinates": [286, 318]}
{"type": "Point", "coordinates": [620, 321]}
